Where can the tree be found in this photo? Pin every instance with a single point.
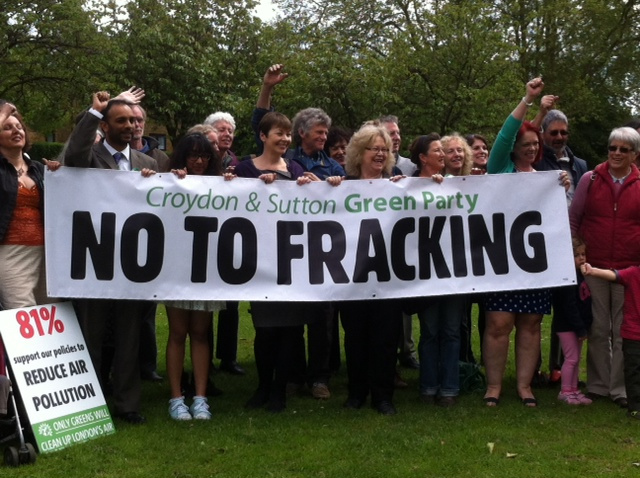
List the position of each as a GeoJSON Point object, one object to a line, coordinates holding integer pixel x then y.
{"type": "Point", "coordinates": [44, 47]}
{"type": "Point", "coordinates": [192, 57]}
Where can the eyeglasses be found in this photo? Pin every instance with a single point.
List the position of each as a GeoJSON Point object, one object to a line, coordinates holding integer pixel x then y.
{"type": "Point", "coordinates": [622, 149]}
{"type": "Point", "coordinates": [193, 157]}
{"type": "Point", "coordinates": [556, 132]}
{"type": "Point", "coordinates": [378, 150]}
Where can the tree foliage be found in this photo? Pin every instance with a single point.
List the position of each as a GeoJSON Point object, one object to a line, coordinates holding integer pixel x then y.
{"type": "Point", "coordinates": [192, 57]}
{"type": "Point", "coordinates": [442, 65]}
{"type": "Point", "coordinates": [44, 48]}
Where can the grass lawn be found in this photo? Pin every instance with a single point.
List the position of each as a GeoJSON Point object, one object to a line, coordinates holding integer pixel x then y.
{"type": "Point", "coordinates": [321, 439]}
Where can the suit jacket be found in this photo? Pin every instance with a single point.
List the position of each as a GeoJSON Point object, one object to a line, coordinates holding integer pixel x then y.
{"type": "Point", "coordinates": [81, 152]}
{"type": "Point", "coordinates": [94, 315]}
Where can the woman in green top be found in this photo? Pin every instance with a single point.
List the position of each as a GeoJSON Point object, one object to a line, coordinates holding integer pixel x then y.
{"type": "Point", "coordinates": [517, 147]}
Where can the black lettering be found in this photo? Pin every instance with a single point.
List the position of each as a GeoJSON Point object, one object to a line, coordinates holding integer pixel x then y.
{"type": "Point", "coordinates": [458, 250]}
{"type": "Point", "coordinates": [399, 234]}
{"type": "Point", "coordinates": [226, 252]}
{"type": "Point", "coordinates": [537, 262]}
{"type": "Point", "coordinates": [201, 228]}
{"type": "Point", "coordinates": [480, 242]}
{"type": "Point", "coordinates": [429, 248]}
{"type": "Point", "coordinates": [371, 234]}
{"type": "Point", "coordinates": [83, 239]}
{"type": "Point", "coordinates": [287, 251]}
{"type": "Point", "coordinates": [332, 258]}
{"type": "Point", "coordinates": [130, 245]}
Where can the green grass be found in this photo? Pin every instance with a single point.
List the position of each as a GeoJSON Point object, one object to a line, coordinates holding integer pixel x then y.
{"type": "Point", "coordinates": [321, 439]}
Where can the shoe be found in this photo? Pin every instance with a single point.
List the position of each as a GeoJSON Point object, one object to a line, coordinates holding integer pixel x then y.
{"type": "Point", "coordinates": [446, 402]}
{"type": "Point", "coordinates": [427, 399]}
{"type": "Point", "coordinates": [151, 376]}
{"type": "Point", "coordinates": [385, 407]}
{"type": "Point", "coordinates": [134, 418]}
{"type": "Point", "coordinates": [622, 402]}
{"type": "Point", "coordinates": [410, 363]}
{"type": "Point", "coordinates": [258, 400]}
{"type": "Point", "coordinates": [178, 410]}
{"type": "Point", "coordinates": [353, 403]}
{"type": "Point", "coordinates": [634, 414]}
{"type": "Point", "coordinates": [582, 398]}
{"type": "Point", "coordinates": [595, 396]}
{"type": "Point", "coordinates": [569, 398]}
{"type": "Point", "coordinates": [200, 408]}
{"type": "Point", "coordinates": [491, 401]}
{"type": "Point", "coordinates": [529, 402]}
{"type": "Point", "coordinates": [276, 406]}
{"type": "Point", "coordinates": [293, 388]}
{"type": "Point", "coordinates": [398, 382]}
{"type": "Point", "coordinates": [320, 391]}
{"type": "Point", "coordinates": [232, 367]}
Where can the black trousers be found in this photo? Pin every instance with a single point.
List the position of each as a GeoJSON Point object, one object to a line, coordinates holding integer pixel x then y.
{"type": "Point", "coordinates": [371, 331]}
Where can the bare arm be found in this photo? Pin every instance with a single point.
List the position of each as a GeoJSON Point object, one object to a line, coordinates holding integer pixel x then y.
{"type": "Point", "coordinates": [547, 103]}
{"type": "Point", "coordinates": [272, 77]}
{"type": "Point", "coordinates": [6, 110]}
{"type": "Point", "coordinates": [534, 88]}
{"type": "Point", "coordinates": [606, 274]}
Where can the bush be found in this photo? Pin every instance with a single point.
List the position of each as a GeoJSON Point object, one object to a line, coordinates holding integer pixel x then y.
{"type": "Point", "coordinates": [45, 150]}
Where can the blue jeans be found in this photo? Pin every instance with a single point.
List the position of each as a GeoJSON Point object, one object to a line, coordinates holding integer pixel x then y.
{"type": "Point", "coordinates": [439, 346]}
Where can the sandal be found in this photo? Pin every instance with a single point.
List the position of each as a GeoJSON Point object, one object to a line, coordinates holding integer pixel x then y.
{"type": "Point", "coordinates": [491, 401]}
{"type": "Point", "coordinates": [530, 402]}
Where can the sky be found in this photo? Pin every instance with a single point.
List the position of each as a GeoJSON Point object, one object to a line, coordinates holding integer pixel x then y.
{"type": "Point", "coordinates": [265, 10]}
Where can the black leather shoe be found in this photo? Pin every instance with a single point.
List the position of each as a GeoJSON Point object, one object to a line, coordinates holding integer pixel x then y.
{"type": "Point", "coordinates": [232, 367]}
{"type": "Point", "coordinates": [353, 403]}
{"type": "Point", "coordinates": [385, 408]}
{"type": "Point", "coordinates": [258, 400]}
{"type": "Point", "coordinates": [134, 418]}
{"type": "Point", "coordinates": [622, 402]}
{"type": "Point", "coordinates": [152, 376]}
{"type": "Point", "coordinates": [446, 402]}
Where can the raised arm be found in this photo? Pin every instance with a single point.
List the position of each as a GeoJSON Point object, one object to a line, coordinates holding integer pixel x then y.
{"type": "Point", "coordinates": [547, 103]}
{"type": "Point", "coordinates": [499, 158]}
{"type": "Point", "coordinates": [77, 152]}
{"type": "Point", "coordinates": [534, 88]}
{"type": "Point", "coordinates": [273, 76]}
{"type": "Point", "coordinates": [6, 110]}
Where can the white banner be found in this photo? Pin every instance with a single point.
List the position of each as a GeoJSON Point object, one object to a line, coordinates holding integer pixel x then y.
{"type": "Point", "coordinates": [115, 234]}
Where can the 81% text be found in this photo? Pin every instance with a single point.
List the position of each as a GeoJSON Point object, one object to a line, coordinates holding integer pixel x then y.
{"type": "Point", "coordinates": [40, 317]}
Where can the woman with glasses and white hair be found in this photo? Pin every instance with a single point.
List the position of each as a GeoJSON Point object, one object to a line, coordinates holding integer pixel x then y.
{"type": "Point", "coordinates": [605, 214]}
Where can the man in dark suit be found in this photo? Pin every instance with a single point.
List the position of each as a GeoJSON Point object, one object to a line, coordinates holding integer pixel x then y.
{"type": "Point", "coordinates": [116, 119]}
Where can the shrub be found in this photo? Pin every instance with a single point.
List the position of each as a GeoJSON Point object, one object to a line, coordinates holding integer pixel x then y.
{"type": "Point", "coordinates": [41, 150]}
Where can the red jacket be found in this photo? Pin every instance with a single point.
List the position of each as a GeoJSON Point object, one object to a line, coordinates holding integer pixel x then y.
{"type": "Point", "coordinates": [610, 225]}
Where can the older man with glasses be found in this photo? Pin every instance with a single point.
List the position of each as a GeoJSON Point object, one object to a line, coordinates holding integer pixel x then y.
{"type": "Point", "coordinates": [557, 156]}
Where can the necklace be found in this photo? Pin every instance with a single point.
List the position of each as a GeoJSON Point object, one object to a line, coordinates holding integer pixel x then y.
{"type": "Point", "coordinates": [20, 172]}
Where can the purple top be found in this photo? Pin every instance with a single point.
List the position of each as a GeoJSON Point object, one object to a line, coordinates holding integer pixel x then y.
{"type": "Point", "coordinates": [247, 169]}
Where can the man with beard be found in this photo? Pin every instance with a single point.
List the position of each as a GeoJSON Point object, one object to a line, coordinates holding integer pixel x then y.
{"type": "Point", "coordinates": [557, 156]}
{"type": "Point", "coordinates": [117, 120]}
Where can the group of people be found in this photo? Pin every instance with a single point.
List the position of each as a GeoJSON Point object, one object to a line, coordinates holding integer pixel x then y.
{"type": "Point", "coordinates": [377, 333]}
